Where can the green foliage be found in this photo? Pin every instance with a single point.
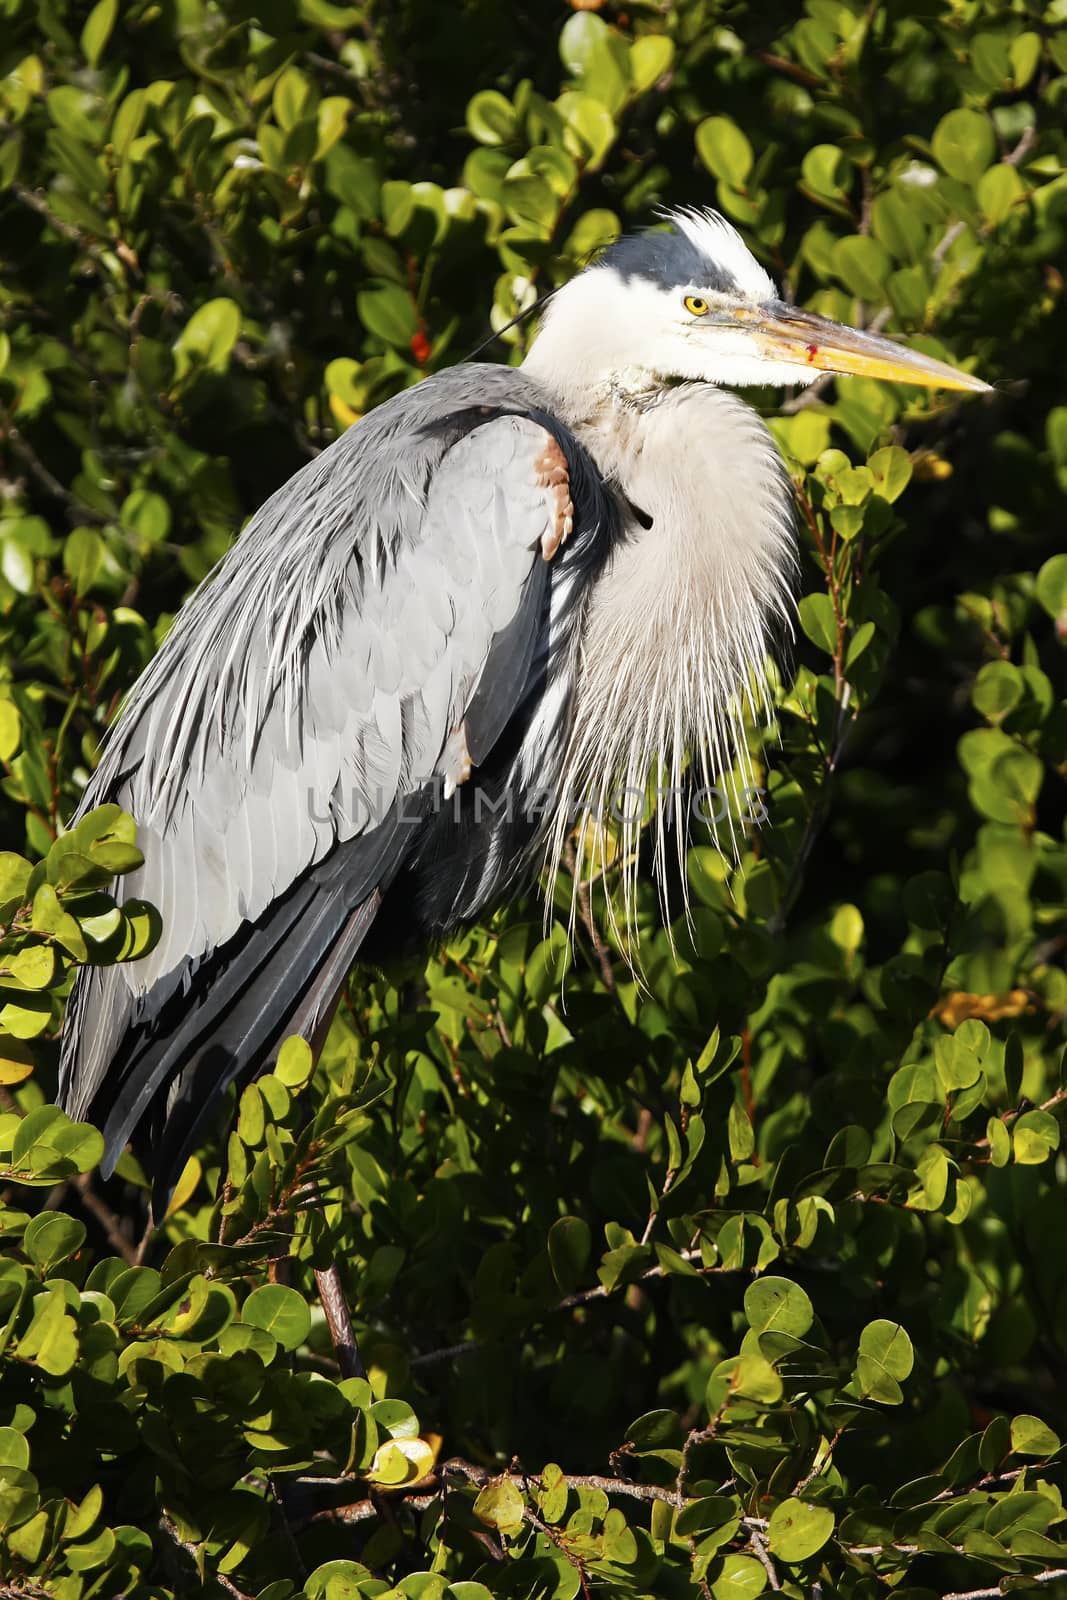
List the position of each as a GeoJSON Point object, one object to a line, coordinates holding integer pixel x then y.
{"type": "Point", "coordinates": [744, 1274]}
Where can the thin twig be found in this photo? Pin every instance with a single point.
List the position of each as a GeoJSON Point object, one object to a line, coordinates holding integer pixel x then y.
{"type": "Point", "coordinates": [423, 1494]}
{"type": "Point", "coordinates": [560, 1543]}
{"type": "Point", "coordinates": [77, 509]}
{"type": "Point", "coordinates": [996, 1592]}
{"type": "Point", "coordinates": [107, 1219]}
{"type": "Point", "coordinates": [66, 230]}
{"type": "Point", "coordinates": [759, 1550]}
{"type": "Point", "coordinates": [585, 911]}
{"type": "Point", "coordinates": [1027, 140]}
{"type": "Point", "coordinates": [820, 1466]}
{"type": "Point", "coordinates": [1009, 1117]}
{"type": "Point", "coordinates": [581, 1297]}
{"type": "Point", "coordinates": [448, 1352]}
{"type": "Point", "coordinates": [278, 1495]}
{"type": "Point", "coordinates": [339, 1322]}
{"type": "Point", "coordinates": [189, 1551]}
{"type": "Point", "coordinates": [146, 1240]}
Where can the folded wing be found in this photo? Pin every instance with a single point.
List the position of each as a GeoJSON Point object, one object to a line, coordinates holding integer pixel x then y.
{"type": "Point", "coordinates": [305, 690]}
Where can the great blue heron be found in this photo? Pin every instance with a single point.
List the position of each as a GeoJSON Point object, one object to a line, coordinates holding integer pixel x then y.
{"type": "Point", "coordinates": [534, 581]}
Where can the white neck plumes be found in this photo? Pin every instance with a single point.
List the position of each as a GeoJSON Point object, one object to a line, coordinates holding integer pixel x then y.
{"type": "Point", "coordinates": [674, 646]}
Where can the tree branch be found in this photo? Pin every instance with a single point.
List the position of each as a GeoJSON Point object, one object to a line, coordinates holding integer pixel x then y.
{"type": "Point", "coordinates": [996, 1592]}
{"type": "Point", "coordinates": [581, 1297]}
{"type": "Point", "coordinates": [339, 1322]}
{"type": "Point", "coordinates": [419, 1496]}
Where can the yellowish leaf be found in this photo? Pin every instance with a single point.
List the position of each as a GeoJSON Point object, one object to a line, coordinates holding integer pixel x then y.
{"type": "Point", "coordinates": [16, 1060]}
{"type": "Point", "coordinates": [185, 1186]}
{"type": "Point", "coordinates": [403, 1461]}
{"type": "Point", "coordinates": [959, 1006]}
{"type": "Point", "coordinates": [343, 414]}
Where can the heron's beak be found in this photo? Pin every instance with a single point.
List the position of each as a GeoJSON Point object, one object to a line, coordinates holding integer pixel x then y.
{"type": "Point", "coordinates": [785, 333]}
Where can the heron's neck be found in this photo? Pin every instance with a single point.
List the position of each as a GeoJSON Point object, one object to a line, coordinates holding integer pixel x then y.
{"type": "Point", "coordinates": [598, 401]}
{"type": "Point", "coordinates": [569, 361]}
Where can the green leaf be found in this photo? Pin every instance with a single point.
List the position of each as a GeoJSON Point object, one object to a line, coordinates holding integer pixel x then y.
{"type": "Point", "coordinates": [10, 732]}
{"type": "Point", "coordinates": [798, 1530]}
{"type": "Point", "coordinates": [398, 206]}
{"type": "Point", "coordinates": [83, 556]}
{"type": "Point", "coordinates": [958, 1065]}
{"type": "Point", "coordinates": [279, 1311]}
{"type": "Point", "coordinates": [593, 230]}
{"type": "Point", "coordinates": [885, 1359]}
{"type": "Point", "coordinates": [49, 917]}
{"type": "Point", "coordinates": [290, 98]}
{"type": "Point", "coordinates": [751, 1377]}
{"type": "Point", "coordinates": [19, 1498]}
{"type": "Point", "coordinates": [17, 566]}
{"type": "Point", "coordinates": [1032, 1437]}
{"type": "Point", "coordinates": [97, 30]}
{"type": "Point", "coordinates": [332, 120]}
{"type": "Point", "coordinates": [579, 37]}
{"type": "Point", "coordinates": [554, 1493]}
{"type": "Point", "coordinates": [127, 122]}
{"type": "Point", "coordinates": [1024, 54]}
{"type": "Point", "coordinates": [251, 1116]}
{"type": "Point", "coordinates": [724, 150]}
{"type": "Point", "coordinates": [500, 1505]}
{"type": "Point", "coordinates": [863, 265]}
{"type": "Point", "coordinates": [207, 338]}
{"type": "Point", "coordinates": [999, 1142]}
{"type": "Point", "coordinates": [964, 144]}
{"type": "Point", "coordinates": [147, 515]}
{"type": "Point", "coordinates": [890, 468]}
{"type": "Point", "coordinates": [530, 199]}
{"type": "Point", "coordinates": [490, 118]}
{"type": "Point", "coordinates": [827, 172]}
{"type": "Point", "coordinates": [91, 1554]}
{"type": "Point", "coordinates": [48, 1146]}
{"type": "Point", "coordinates": [1034, 1137]}
{"type": "Point", "coordinates": [999, 190]}
{"type": "Point", "coordinates": [707, 1515]}
{"type": "Point", "coordinates": [295, 1063]}
{"type": "Point", "coordinates": [52, 1237]}
{"type": "Point", "coordinates": [336, 1580]}
{"type": "Point", "coordinates": [569, 1246]}
{"type": "Point", "coordinates": [607, 72]}
{"type": "Point", "coordinates": [899, 225]}
{"type": "Point", "coordinates": [1051, 586]}
{"type": "Point", "coordinates": [998, 689]}
{"type": "Point", "coordinates": [14, 1449]}
{"type": "Point", "coordinates": [742, 1139]}
{"type": "Point", "coordinates": [14, 869]}
{"type": "Point", "coordinates": [776, 1304]}
{"type": "Point", "coordinates": [50, 1341]}
{"type": "Point", "coordinates": [1007, 790]}
{"type": "Point", "coordinates": [819, 622]}
{"type": "Point", "coordinates": [388, 313]}
{"type": "Point", "coordinates": [738, 1577]}
{"type": "Point", "coordinates": [650, 59]}
{"type": "Point", "coordinates": [804, 436]}
{"type": "Point", "coordinates": [846, 928]}
{"type": "Point", "coordinates": [591, 124]}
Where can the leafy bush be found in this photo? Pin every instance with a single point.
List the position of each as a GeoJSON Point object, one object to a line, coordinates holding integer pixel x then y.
{"type": "Point", "coordinates": [745, 1276]}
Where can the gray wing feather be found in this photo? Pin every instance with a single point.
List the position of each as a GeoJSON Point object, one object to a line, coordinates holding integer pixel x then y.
{"type": "Point", "coordinates": [314, 679]}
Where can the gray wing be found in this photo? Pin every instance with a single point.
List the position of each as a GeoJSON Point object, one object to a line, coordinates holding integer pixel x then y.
{"type": "Point", "coordinates": [300, 694]}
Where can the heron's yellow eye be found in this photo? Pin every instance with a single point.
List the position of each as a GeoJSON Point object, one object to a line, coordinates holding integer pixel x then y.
{"type": "Point", "coordinates": [696, 305]}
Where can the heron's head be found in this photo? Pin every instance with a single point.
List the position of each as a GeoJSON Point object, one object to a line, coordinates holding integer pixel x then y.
{"type": "Point", "coordinates": [694, 303]}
